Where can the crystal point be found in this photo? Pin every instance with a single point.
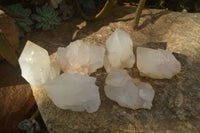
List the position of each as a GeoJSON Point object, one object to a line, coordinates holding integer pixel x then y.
{"type": "Point", "coordinates": [119, 51]}
{"type": "Point", "coordinates": [35, 64]}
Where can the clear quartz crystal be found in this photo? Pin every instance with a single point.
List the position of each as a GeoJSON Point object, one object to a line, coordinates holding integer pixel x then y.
{"type": "Point", "coordinates": [120, 87]}
{"type": "Point", "coordinates": [75, 92]}
{"type": "Point", "coordinates": [80, 57]}
{"type": "Point", "coordinates": [157, 64]}
{"type": "Point", "coordinates": [35, 64]}
{"type": "Point", "coordinates": [119, 51]}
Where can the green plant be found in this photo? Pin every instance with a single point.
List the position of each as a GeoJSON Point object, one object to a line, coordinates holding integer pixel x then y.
{"type": "Point", "coordinates": [23, 25]}
{"type": "Point", "coordinates": [46, 18]}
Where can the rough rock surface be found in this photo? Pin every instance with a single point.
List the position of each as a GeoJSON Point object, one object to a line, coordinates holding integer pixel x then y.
{"type": "Point", "coordinates": [119, 51]}
{"type": "Point", "coordinates": [80, 57]}
{"type": "Point", "coordinates": [157, 63]}
{"type": "Point", "coordinates": [8, 28]}
{"type": "Point", "coordinates": [121, 88]}
{"type": "Point", "coordinates": [176, 103]}
{"type": "Point", "coordinates": [75, 92]}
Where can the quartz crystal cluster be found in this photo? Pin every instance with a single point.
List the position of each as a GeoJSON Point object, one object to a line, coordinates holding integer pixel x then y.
{"type": "Point", "coordinates": [80, 57]}
{"type": "Point", "coordinates": [119, 51]}
{"type": "Point", "coordinates": [35, 65]}
{"type": "Point", "coordinates": [120, 87]}
{"type": "Point", "coordinates": [157, 64]}
{"type": "Point", "coordinates": [74, 91]}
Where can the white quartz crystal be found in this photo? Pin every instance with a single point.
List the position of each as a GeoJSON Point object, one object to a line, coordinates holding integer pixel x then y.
{"type": "Point", "coordinates": [120, 87]}
{"type": "Point", "coordinates": [157, 64]}
{"type": "Point", "coordinates": [75, 92]}
{"type": "Point", "coordinates": [35, 64]}
{"type": "Point", "coordinates": [80, 57]}
{"type": "Point", "coordinates": [119, 51]}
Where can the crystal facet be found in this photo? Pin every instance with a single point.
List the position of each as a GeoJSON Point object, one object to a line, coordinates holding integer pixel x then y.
{"type": "Point", "coordinates": [74, 91]}
{"type": "Point", "coordinates": [35, 64]}
{"type": "Point", "coordinates": [157, 64]}
{"type": "Point", "coordinates": [120, 87]}
{"type": "Point", "coordinates": [80, 57]}
{"type": "Point", "coordinates": [119, 51]}
{"type": "Point", "coordinates": [54, 70]}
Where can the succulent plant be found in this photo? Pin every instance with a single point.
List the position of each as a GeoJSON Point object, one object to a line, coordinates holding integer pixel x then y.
{"type": "Point", "coordinates": [46, 17]}
{"type": "Point", "coordinates": [22, 24]}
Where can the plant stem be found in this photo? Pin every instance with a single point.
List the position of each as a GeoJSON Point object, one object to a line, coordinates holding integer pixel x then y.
{"type": "Point", "coordinates": [35, 115]}
{"type": "Point", "coordinates": [138, 13]}
{"type": "Point", "coordinates": [6, 51]}
{"type": "Point", "coordinates": [105, 10]}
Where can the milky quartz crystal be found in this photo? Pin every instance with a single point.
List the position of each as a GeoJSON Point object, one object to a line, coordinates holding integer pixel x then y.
{"type": "Point", "coordinates": [80, 57]}
{"type": "Point", "coordinates": [75, 92]}
{"type": "Point", "coordinates": [157, 64]}
{"type": "Point", "coordinates": [35, 65]}
{"type": "Point", "coordinates": [119, 51]}
{"type": "Point", "coordinates": [120, 87]}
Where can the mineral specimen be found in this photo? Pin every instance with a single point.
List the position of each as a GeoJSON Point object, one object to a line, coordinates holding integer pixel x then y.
{"type": "Point", "coordinates": [157, 64]}
{"type": "Point", "coordinates": [35, 64]}
{"type": "Point", "coordinates": [119, 51]}
{"type": "Point", "coordinates": [127, 92]}
{"type": "Point", "coordinates": [75, 92]}
{"type": "Point", "coordinates": [80, 57]}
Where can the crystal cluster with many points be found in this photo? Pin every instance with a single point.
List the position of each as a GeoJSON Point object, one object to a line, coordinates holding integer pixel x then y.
{"type": "Point", "coordinates": [120, 87]}
{"type": "Point", "coordinates": [74, 91]}
{"type": "Point", "coordinates": [157, 64]}
{"type": "Point", "coordinates": [119, 51]}
{"type": "Point", "coordinates": [80, 57]}
{"type": "Point", "coordinates": [35, 65]}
